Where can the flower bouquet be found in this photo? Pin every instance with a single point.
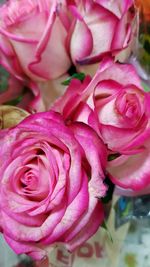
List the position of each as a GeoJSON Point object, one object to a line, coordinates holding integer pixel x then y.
{"type": "Point", "coordinates": [75, 120]}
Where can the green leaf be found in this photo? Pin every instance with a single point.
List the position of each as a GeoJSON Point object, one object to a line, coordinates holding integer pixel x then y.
{"type": "Point", "coordinates": [145, 41]}
{"type": "Point", "coordinates": [80, 76]}
{"type": "Point", "coordinates": [14, 101]}
{"type": "Point", "coordinates": [144, 51]}
{"type": "Point", "coordinates": [4, 76]}
{"type": "Point", "coordinates": [104, 225]}
{"type": "Point", "coordinates": [113, 156]}
{"type": "Point", "coordinates": [145, 87]}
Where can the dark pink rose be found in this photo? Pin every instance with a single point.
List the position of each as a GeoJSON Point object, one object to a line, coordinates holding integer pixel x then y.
{"type": "Point", "coordinates": [51, 179]}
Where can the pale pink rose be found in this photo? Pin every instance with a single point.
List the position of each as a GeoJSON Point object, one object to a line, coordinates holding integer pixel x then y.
{"type": "Point", "coordinates": [33, 38]}
{"type": "Point", "coordinates": [101, 27]}
{"type": "Point", "coordinates": [51, 179]}
{"type": "Point", "coordinates": [116, 106]}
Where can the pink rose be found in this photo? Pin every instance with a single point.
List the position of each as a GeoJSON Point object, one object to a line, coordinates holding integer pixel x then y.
{"type": "Point", "coordinates": [51, 179]}
{"type": "Point", "coordinates": [102, 27]}
{"type": "Point", "coordinates": [116, 106]}
{"type": "Point", "coordinates": [32, 38]}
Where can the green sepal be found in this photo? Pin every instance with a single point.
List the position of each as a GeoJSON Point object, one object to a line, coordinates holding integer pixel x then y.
{"type": "Point", "coordinates": [79, 76]}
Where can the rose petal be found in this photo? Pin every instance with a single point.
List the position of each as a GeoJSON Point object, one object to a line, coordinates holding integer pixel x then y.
{"type": "Point", "coordinates": [81, 42]}
{"type": "Point", "coordinates": [28, 248]}
{"type": "Point", "coordinates": [133, 173]}
{"type": "Point", "coordinates": [87, 226]}
{"type": "Point", "coordinates": [72, 214]}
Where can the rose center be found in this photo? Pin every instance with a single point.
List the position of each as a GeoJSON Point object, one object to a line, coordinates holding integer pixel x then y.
{"type": "Point", "coordinates": [29, 181]}
{"type": "Point", "coordinates": [128, 106]}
